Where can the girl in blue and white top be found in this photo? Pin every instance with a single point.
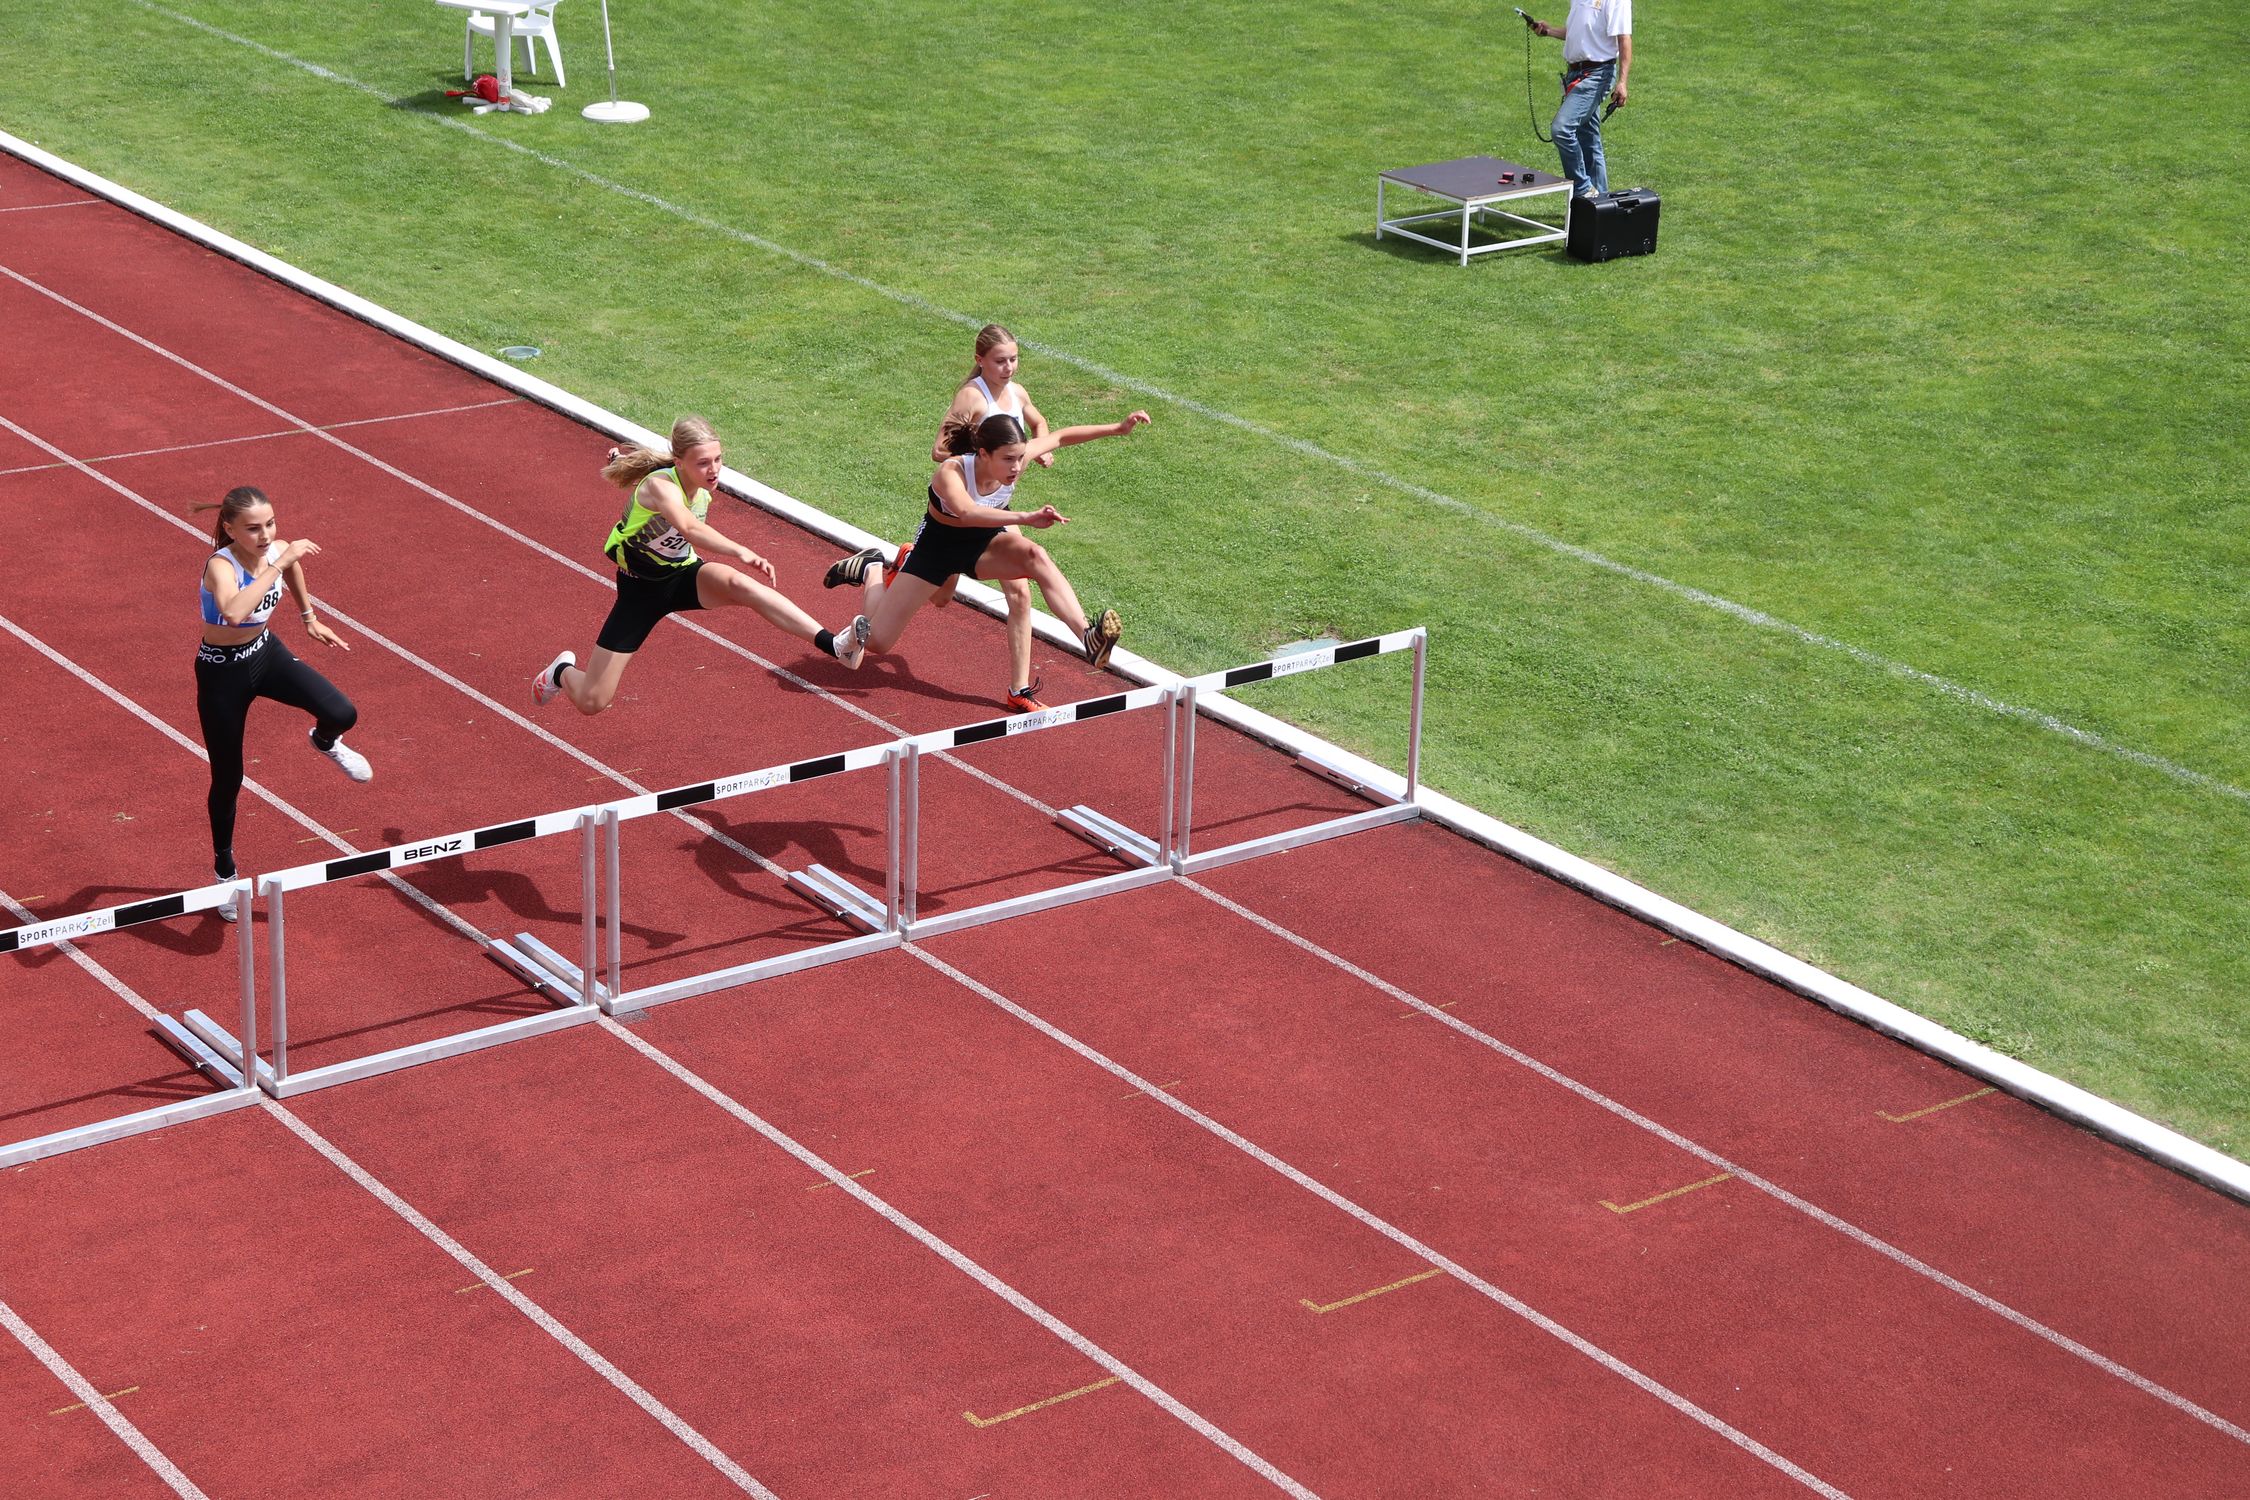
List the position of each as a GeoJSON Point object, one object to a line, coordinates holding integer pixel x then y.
{"type": "Point", "coordinates": [241, 661]}
{"type": "Point", "coordinates": [659, 571]}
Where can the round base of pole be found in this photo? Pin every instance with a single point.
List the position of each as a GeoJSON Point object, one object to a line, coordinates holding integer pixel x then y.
{"type": "Point", "coordinates": [616, 112]}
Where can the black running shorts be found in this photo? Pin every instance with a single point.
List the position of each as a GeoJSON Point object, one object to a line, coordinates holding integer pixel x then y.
{"type": "Point", "coordinates": [641, 602]}
{"type": "Point", "coordinates": [942, 549]}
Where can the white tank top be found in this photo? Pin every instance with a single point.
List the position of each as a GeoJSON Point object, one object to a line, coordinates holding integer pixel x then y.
{"type": "Point", "coordinates": [1012, 405]}
{"type": "Point", "coordinates": [998, 499]}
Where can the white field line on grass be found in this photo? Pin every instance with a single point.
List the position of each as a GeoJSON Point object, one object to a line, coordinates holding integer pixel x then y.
{"type": "Point", "coordinates": [2176, 1151]}
{"type": "Point", "coordinates": [1672, 1137]}
{"type": "Point", "coordinates": [95, 1402]}
{"type": "Point", "coordinates": [1389, 1231]}
{"type": "Point", "coordinates": [1701, 597]}
{"type": "Point", "coordinates": [562, 1334]}
{"type": "Point", "coordinates": [712, 832]}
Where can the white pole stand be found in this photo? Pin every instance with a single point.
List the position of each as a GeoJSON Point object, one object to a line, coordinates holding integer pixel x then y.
{"type": "Point", "coordinates": [613, 111]}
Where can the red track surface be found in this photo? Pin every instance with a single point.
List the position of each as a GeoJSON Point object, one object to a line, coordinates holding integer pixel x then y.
{"type": "Point", "coordinates": [1274, 1176]}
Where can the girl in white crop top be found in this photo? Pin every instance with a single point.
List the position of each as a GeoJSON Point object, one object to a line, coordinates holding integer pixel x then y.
{"type": "Point", "coordinates": [968, 529]}
{"type": "Point", "coordinates": [991, 387]}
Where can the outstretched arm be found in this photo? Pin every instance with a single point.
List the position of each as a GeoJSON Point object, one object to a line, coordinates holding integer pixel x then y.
{"type": "Point", "coordinates": [663, 497]}
{"type": "Point", "coordinates": [964, 509]}
{"type": "Point", "coordinates": [1070, 437]}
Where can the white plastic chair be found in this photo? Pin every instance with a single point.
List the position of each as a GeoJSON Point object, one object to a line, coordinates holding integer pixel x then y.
{"type": "Point", "coordinates": [535, 26]}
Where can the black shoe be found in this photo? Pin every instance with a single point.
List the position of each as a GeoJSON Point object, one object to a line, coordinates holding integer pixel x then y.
{"type": "Point", "coordinates": [1101, 637]}
{"type": "Point", "coordinates": [851, 572]}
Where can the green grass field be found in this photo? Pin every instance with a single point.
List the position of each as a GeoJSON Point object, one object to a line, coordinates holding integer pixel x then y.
{"type": "Point", "coordinates": [1940, 369]}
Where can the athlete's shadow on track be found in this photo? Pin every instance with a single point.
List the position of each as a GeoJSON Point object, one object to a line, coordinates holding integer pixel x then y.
{"type": "Point", "coordinates": [894, 674]}
{"type": "Point", "coordinates": [196, 936]}
{"type": "Point", "coordinates": [455, 884]}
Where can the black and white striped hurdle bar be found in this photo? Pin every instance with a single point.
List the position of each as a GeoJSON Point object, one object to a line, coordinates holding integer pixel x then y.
{"type": "Point", "coordinates": [110, 918]}
{"type": "Point", "coordinates": [424, 851]}
{"type": "Point", "coordinates": [697, 793]}
{"type": "Point", "coordinates": [1307, 661]}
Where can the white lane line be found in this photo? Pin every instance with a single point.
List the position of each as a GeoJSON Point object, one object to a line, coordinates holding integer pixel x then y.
{"type": "Point", "coordinates": [962, 1263]}
{"type": "Point", "coordinates": [2024, 1320]}
{"type": "Point", "coordinates": [1703, 598]}
{"type": "Point", "coordinates": [261, 437]}
{"type": "Point", "coordinates": [490, 1277]}
{"type": "Point", "coordinates": [1812, 1210]}
{"type": "Point", "coordinates": [632, 1389]}
{"type": "Point", "coordinates": [115, 1420]}
{"type": "Point", "coordinates": [476, 514]}
{"type": "Point", "coordinates": [1389, 1231]}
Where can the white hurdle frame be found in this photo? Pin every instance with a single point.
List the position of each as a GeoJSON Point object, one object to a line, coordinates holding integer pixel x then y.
{"type": "Point", "coordinates": [615, 999]}
{"type": "Point", "coordinates": [233, 1089]}
{"type": "Point", "coordinates": [571, 988]}
{"type": "Point", "coordinates": [232, 1059]}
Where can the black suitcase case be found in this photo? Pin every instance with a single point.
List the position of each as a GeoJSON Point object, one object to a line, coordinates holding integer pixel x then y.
{"type": "Point", "coordinates": [1614, 224]}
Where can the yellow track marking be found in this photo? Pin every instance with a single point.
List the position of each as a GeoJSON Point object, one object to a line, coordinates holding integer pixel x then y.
{"type": "Point", "coordinates": [1330, 1307]}
{"type": "Point", "coordinates": [475, 1285]}
{"type": "Point", "coordinates": [1660, 1197]}
{"type": "Point", "coordinates": [81, 1406]}
{"type": "Point", "coordinates": [1932, 1109]}
{"type": "Point", "coordinates": [320, 837]}
{"type": "Point", "coordinates": [1024, 1411]}
{"type": "Point", "coordinates": [1167, 1087]}
{"type": "Point", "coordinates": [1402, 1015]}
{"type": "Point", "coordinates": [854, 1176]}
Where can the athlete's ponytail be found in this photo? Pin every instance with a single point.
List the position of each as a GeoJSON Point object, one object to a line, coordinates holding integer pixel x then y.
{"type": "Point", "coordinates": [629, 465]}
{"type": "Point", "coordinates": [237, 500]}
{"type": "Point", "coordinates": [995, 431]}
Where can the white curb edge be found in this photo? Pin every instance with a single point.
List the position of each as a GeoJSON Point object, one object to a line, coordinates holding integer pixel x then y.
{"type": "Point", "coordinates": [2161, 1144]}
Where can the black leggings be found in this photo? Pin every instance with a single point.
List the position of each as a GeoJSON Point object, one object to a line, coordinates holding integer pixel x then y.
{"type": "Point", "coordinates": [227, 679]}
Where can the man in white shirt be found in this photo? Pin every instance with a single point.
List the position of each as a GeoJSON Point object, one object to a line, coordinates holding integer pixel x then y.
{"type": "Point", "coordinates": [1598, 51]}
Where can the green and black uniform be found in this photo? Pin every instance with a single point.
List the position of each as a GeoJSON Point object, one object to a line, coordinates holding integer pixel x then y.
{"type": "Point", "coordinates": [656, 568]}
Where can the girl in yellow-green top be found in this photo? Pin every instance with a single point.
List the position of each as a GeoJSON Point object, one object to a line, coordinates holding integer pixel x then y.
{"type": "Point", "coordinates": [659, 571]}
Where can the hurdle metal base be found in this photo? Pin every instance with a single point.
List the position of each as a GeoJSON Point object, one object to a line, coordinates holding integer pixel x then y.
{"type": "Point", "coordinates": [79, 1137]}
{"type": "Point", "coordinates": [227, 1045]}
{"type": "Point", "coordinates": [1110, 836]}
{"type": "Point", "coordinates": [199, 1056]}
{"type": "Point", "coordinates": [832, 892]}
{"type": "Point", "coordinates": [1018, 906]}
{"type": "Point", "coordinates": [422, 1052]}
{"type": "Point", "coordinates": [542, 968]}
{"type": "Point", "coordinates": [1297, 838]}
{"type": "Point", "coordinates": [750, 973]}
{"type": "Point", "coordinates": [1374, 783]}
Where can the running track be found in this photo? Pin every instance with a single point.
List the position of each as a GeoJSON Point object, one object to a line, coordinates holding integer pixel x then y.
{"type": "Point", "coordinates": [1295, 1177]}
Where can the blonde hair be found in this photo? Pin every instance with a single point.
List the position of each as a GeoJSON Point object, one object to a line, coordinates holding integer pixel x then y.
{"type": "Point", "coordinates": [633, 464]}
{"type": "Point", "coordinates": [990, 337]}
{"type": "Point", "coordinates": [237, 500]}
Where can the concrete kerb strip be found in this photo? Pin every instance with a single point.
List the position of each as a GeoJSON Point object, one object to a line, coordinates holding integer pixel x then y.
{"type": "Point", "coordinates": [2190, 1158]}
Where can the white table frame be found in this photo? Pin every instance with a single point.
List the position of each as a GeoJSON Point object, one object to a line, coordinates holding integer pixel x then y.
{"type": "Point", "coordinates": [505, 14]}
{"type": "Point", "coordinates": [1474, 208]}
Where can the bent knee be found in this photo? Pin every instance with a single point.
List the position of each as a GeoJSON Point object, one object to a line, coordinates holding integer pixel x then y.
{"type": "Point", "coordinates": [594, 702]}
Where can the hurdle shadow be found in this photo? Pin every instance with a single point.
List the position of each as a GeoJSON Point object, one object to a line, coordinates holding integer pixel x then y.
{"type": "Point", "coordinates": [454, 883]}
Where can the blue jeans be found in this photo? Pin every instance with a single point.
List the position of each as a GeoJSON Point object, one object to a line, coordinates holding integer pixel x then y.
{"type": "Point", "coordinates": [1578, 128]}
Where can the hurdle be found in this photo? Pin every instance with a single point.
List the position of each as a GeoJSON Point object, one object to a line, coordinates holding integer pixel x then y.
{"type": "Point", "coordinates": [1398, 797]}
{"type": "Point", "coordinates": [879, 921]}
{"type": "Point", "coordinates": [571, 988]}
{"type": "Point", "coordinates": [233, 1087]}
{"type": "Point", "coordinates": [593, 982]}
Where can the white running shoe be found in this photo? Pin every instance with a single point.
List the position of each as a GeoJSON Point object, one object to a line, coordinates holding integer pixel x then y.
{"type": "Point", "coordinates": [226, 911]}
{"type": "Point", "coordinates": [348, 760]}
{"type": "Point", "coordinates": [549, 681]}
{"type": "Point", "coordinates": [847, 647]}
